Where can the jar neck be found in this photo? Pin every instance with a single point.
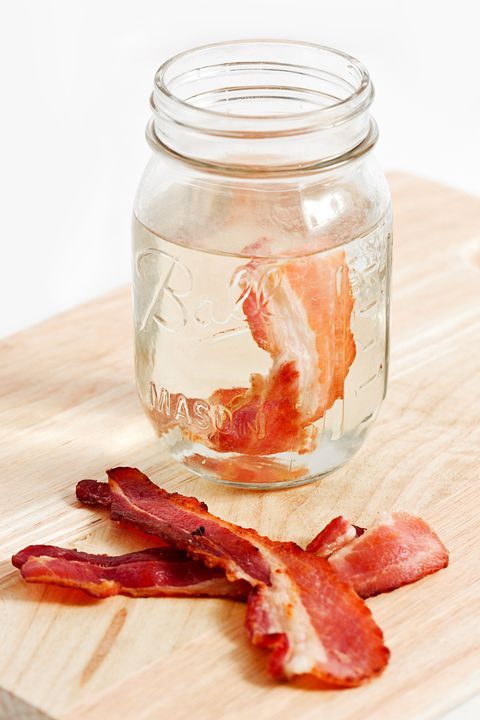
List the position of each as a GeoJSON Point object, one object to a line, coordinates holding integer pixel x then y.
{"type": "Point", "coordinates": [263, 105]}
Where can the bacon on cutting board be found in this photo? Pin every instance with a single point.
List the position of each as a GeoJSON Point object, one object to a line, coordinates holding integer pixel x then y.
{"type": "Point", "coordinates": [407, 556]}
{"type": "Point", "coordinates": [149, 573]}
{"type": "Point", "coordinates": [298, 606]}
{"type": "Point", "coordinates": [399, 549]}
{"type": "Point", "coordinates": [300, 609]}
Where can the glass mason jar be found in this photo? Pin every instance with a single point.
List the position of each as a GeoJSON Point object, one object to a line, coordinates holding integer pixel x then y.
{"type": "Point", "coordinates": [262, 253]}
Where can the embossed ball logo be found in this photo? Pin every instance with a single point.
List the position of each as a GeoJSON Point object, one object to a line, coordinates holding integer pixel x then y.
{"type": "Point", "coordinates": [172, 284]}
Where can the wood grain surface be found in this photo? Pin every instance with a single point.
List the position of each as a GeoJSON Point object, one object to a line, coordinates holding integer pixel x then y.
{"type": "Point", "coordinates": [68, 410]}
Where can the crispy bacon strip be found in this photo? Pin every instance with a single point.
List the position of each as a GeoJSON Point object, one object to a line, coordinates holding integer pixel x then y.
{"type": "Point", "coordinates": [338, 533]}
{"type": "Point", "coordinates": [148, 573]}
{"type": "Point", "coordinates": [313, 622]}
{"type": "Point", "coordinates": [399, 549]}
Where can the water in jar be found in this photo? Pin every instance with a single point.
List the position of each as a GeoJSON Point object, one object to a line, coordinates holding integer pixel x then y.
{"type": "Point", "coordinates": [259, 368]}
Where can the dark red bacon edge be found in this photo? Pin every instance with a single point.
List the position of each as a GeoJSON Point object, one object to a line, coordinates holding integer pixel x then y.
{"type": "Point", "coordinates": [148, 573]}
{"type": "Point", "coordinates": [399, 549]}
{"type": "Point", "coordinates": [313, 621]}
{"type": "Point", "coordinates": [91, 492]}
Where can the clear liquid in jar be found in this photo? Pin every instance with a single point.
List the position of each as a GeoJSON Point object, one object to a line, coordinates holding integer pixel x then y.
{"type": "Point", "coordinates": [244, 372]}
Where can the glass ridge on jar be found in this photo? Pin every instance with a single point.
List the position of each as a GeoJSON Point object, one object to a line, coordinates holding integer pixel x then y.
{"type": "Point", "coordinates": [261, 262]}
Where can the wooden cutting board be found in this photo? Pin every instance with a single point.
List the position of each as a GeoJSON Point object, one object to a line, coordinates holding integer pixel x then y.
{"type": "Point", "coordinates": [68, 410]}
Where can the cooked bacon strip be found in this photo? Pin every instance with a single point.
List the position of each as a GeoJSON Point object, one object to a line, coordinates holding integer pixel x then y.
{"type": "Point", "coordinates": [148, 573]}
{"type": "Point", "coordinates": [338, 533]}
{"type": "Point", "coordinates": [264, 418]}
{"type": "Point", "coordinates": [313, 622]}
{"type": "Point", "coordinates": [299, 312]}
{"type": "Point", "coordinates": [399, 549]}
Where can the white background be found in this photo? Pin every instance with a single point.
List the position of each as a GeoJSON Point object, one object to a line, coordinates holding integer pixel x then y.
{"type": "Point", "coordinates": [76, 77]}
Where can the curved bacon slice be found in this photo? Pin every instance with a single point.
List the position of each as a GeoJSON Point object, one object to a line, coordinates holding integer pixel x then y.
{"type": "Point", "coordinates": [306, 617]}
{"type": "Point", "coordinates": [264, 418]}
{"type": "Point", "coordinates": [148, 573]}
{"type": "Point", "coordinates": [399, 549]}
{"type": "Point", "coordinates": [299, 312]}
{"type": "Point", "coordinates": [314, 622]}
{"type": "Point", "coordinates": [338, 533]}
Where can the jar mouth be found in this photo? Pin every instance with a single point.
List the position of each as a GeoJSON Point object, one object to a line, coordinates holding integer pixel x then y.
{"type": "Point", "coordinates": [240, 88]}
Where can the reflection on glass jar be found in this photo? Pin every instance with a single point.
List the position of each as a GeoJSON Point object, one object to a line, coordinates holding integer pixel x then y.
{"type": "Point", "coordinates": [262, 253]}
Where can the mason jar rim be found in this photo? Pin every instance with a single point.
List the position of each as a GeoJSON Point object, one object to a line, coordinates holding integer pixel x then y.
{"type": "Point", "coordinates": [240, 170]}
{"type": "Point", "coordinates": [210, 119]}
